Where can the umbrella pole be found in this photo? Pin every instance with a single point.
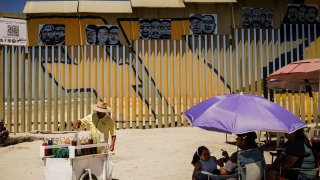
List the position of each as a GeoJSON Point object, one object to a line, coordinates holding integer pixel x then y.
{"type": "Point", "coordinates": [299, 101]}
{"type": "Point", "coordinates": [318, 102]}
{"type": "Point", "coordinates": [316, 129]}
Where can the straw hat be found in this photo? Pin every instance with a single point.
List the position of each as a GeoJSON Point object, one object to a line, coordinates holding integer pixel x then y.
{"type": "Point", "coordinates": [101, 107]}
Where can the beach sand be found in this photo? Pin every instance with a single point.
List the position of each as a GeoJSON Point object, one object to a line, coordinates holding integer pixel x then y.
{"type": "Point", "coordinates": [139, 154]}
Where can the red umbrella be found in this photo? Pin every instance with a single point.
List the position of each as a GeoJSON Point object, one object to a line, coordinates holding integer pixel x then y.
{"type": "Point", "coordinates": [300, 70]}
{"type": "Point", "coordinates": [298, 76]}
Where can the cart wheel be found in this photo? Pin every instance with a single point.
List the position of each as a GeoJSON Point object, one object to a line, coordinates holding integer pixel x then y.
{"type": "Point", "coordinates": [85, 176]}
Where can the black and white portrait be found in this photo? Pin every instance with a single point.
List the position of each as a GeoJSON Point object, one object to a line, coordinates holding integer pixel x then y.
{"type": "Point", "coordinates": [257, 17]}
{"type": "Point", "coordinates": [208, 24]}
{"type": "Point", "coordinates": [51, 34]}
{"type": "Point", "coordinates": [195, 24]}
{"type": "Point", "coordinates": [145, 27]}
{"type": "Point", "coordinates": [301, 14]}
{"type": "Point", "coordinates": [155, 28]}
{"type": "Point", "coordinates": [267, 17]}
{"type": "Point", "coordinates": [113, 35]}
{"type": "Point", "coordinates": [91, 35]}
{"type": "Point", "coordinates": [165, 27]}
{"type": "Point", "coordinates": [102, 34]}
{"type": "Point", "coordinates": [203, 24]}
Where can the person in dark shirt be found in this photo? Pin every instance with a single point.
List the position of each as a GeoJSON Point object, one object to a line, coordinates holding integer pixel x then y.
{"type": "Point", "coordinates": [296, 153]}
{"type": "Point", "coordinates": [4, 133]}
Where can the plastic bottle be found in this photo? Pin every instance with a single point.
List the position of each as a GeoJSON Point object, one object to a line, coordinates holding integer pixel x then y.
{"type": "Point", "coordinates": [50, 143]}
{"type": "Point", "coordinates": [78, 144]}
{"type": "Point", "coordinates": [94, 148]}
{"type": "Point", "coordinates": [91, 150]}
{"type": "Point", "coordinates": [83, 150]}
{"type": "Point", "coordinates": [75, 142]}
{"type": "Point", "coordinates": [103, 149]}
{"type": "Point", "coordinates": [46, 151]}
{"type": "Point", "coordinates": [98, 147]}
{"type": "Point", "coordinates": [68, 140]}
{"type": "Point", "coordinates": [63, 141]}
{"type": "Point", "coordinates": [88, 142]}
{"type": "Point", "coordinates": [55, 142]}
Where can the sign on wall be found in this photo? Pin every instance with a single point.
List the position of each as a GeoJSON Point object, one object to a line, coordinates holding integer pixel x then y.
{"type": "Point", "coordinates": [155, 28]}
{"type": "Point", "coordinates": [13, 31]}
{"type": "Point", "coordinates": [301, 14]}
{"type": "Point", "coordinates": [203, 24]}
{"type": "Point", "coordinates": [102, 34]}
{"type": "Point", "coordinates": [52, 34]}
{"type": "Point", "coordinates": [257, 18]}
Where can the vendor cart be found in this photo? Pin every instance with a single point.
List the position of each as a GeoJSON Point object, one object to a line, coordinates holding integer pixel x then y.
{"type": "Point", "coordinates": [83, 167]}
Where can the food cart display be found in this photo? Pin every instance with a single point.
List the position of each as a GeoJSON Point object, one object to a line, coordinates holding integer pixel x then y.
{"type": "Point", "coordinates": [74, 162]}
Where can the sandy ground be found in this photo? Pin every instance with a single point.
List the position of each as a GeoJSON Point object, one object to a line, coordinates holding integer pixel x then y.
{"type": "Point", "coordinates": [139, 154]}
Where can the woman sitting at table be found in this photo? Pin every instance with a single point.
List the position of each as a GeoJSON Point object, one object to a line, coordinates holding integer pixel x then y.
{"type": "Point", "coordinates": [297, 153]}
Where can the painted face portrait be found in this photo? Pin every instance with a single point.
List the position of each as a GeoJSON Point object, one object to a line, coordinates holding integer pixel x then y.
{"type": "Point", "coordinates": [195, 24]}
{"type": "Point", "coordinates": [165, 27]}
{"type": "Point", "coordinates": [208, 24]}
{"type": "Point", "coordinates": [47, 34]}
{"type": "Point", "coordinates": [268, 18]}
{"type": "Point", "coordinates": [301, 13]}
{"type": "Point", "coordinates": [102, 35]}
{"type": "Point", "coordinates": [292, 14]}
{"type": "Point", "coordinates": [113, 35]}
{"type": "Point", "coordinates": [59, 35]}
{"type": "Point", "coordinates": [145, 27]}
{"type": "Point", "coordinates": [155, 29]}
{"type": "Point", "coordinates": [91, 34]}
{"type": "Point", "coordinates": [256, 18]}
{"type": "Point", "coordinates": [246, 18]}
{"type": "Point", "coordinates": [311, 15]}
{"type": "Point", "coordinates": [91, 37]}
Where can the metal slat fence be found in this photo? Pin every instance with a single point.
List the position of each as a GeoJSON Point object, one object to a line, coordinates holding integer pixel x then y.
{"type": "Point", "coordinates": [150, 83]}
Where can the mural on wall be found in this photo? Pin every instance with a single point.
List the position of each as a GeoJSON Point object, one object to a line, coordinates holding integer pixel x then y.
{"type": "Point", "coordinates": [102, 34]}
{"type": "Point", "coordinates": [155, 28]}
{"type": "Point", "coordinates": [257, 17]}
{"type": "Point", "coordinates": [301, 14]}
{"type": "Point", "coordinates": [203, 24]}
{"type": "Point", "coordinates": [52, 34]}
{"type": "Point", "coordinates": [131, 29]}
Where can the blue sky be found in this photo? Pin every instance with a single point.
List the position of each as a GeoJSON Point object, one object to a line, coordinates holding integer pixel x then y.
{"type": "Point", "coordinates": [13, 6]}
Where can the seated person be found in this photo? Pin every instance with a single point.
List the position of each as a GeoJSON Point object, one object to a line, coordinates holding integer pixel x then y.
{"type": "Point", "coordinates": [244, 141]}
{"type": "Point", "coordinates": [4, 133]}
{"type": "Point", "coordinates": [297, 153]}
{"type": "Point", "coordinates": [202, 161]}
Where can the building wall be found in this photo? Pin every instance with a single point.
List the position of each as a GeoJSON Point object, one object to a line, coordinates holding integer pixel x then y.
{"type": "Point", "coordinates": [229, 16]}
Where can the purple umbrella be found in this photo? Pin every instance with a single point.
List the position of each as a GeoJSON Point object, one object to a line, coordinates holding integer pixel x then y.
{"type": "Point", "coordinates": [240, 113]}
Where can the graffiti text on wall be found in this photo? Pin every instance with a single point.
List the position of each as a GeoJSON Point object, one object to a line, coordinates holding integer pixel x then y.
{"type": "Point", "coordinates": [155, 28]}
{"type": "Point", "coordinates": [257, 17]}
{"type": "Point", "coordinates": [301, 14]}
{"type": "Point", "coordinates": [203, 24]}
{"type": "Point", "coordinates": [102, 34]}
{"type": "Point", "coordinates": [52, 34]}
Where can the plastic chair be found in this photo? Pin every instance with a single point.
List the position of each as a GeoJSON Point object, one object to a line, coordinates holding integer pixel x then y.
{"type": "Point", "coordinates": [315, 152]}
{"type": "Point", "coordinates": [317, 169]}
{"type": "Point", "coordinates": [251, 164]}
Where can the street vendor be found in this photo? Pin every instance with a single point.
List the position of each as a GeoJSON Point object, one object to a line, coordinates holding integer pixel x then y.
{"type": "Point", "coordinates": [99, 122]}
